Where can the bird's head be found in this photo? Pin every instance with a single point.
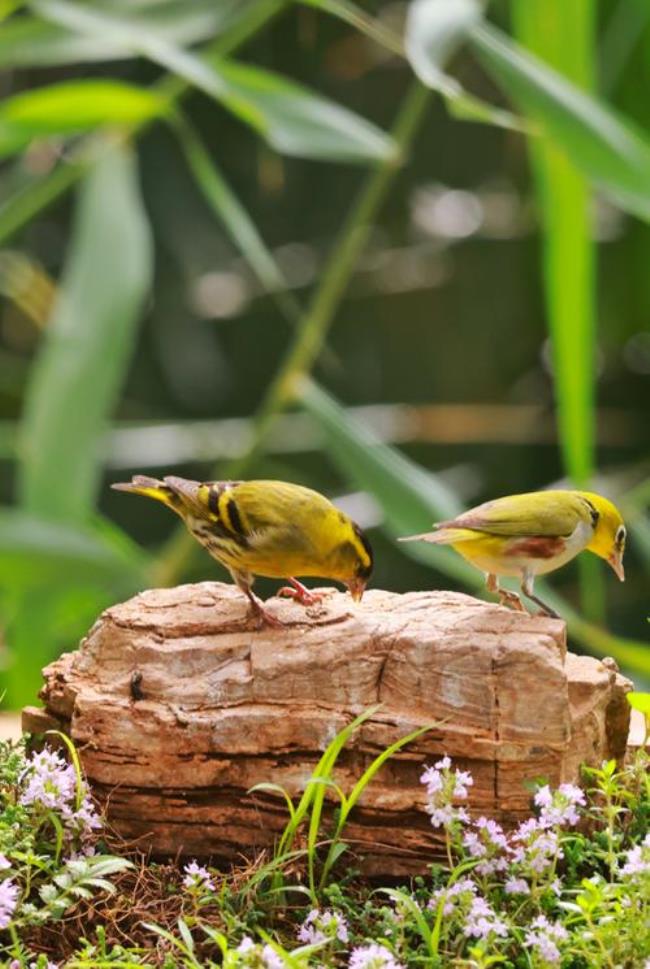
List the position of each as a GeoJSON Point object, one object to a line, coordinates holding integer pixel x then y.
{"type": "Point", "coordinates": [354, 558]}
{"type": "Point", "coordinates": [608, 540]}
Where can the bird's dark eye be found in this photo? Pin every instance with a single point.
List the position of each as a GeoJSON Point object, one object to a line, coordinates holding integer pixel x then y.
{"type": "Point", "coordinates": [620, 536]}
{"type": "Point", "coordinates": [595, 514]}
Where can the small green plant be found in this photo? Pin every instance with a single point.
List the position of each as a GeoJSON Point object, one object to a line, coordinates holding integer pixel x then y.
{"type": "Point", "coordinates": [569, 887]}
{"type": "Point", "coordinates": [49, 833]}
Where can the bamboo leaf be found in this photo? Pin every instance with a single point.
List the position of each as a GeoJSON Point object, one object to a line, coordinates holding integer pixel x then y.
{"type": "Point", "coordinates": [604, 146]}
{"type": "Point", "coordinates": [461, 104]}
{"type": "Point", "coordinates": [565, 39]}
{"type": "Point", "coordinates": [607, 148]}
{"type": "Point", "coordinates": [71, 107]}
{"type": "Point", "coordinates": [35, 551]}
{"type": "Point", "coordinates": [30, 42]}
{"type": "Point", "coordinates": [434, 31]}
{"type": "Point", "coordinates": [247, 17]}
{"type": "Point", "coordinates": [36, 195]}
{"type": "Point", "coordinates": [294, 120]}
{"type": "Point", "coordinates": [54, 580]}
{"type": "Point", "coordinates": [88, 343]}
{"type": "Point", "coordinates": [291, 118]}
{"type": "Point", "coordinates": [225, 204]}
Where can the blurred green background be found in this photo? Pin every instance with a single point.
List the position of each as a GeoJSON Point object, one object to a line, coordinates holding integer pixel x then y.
{"type": "Point", "coordinates": [397, 252]}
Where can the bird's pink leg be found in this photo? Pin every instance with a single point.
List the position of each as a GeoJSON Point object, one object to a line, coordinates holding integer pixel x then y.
{"type": "Point", "coordinates": [506, 598]}
{"type": "Point", "coordinates": [262, 615]}
{"type": "Point", "coordinates": [300, 593]}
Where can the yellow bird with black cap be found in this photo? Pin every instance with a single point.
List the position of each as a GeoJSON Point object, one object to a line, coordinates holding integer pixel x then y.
{"type": "Point", "coordinates": [268, 528]}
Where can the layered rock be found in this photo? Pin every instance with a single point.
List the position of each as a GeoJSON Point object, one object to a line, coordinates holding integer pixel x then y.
{"type": "Point", "coordinates": [179, 705]}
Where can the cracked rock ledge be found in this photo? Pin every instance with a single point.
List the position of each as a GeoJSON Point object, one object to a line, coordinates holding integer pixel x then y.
{"type": "Point", "coordinates": [179, 705]}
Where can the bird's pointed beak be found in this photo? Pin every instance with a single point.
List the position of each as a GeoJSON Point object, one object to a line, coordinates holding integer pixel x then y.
{"type": "Point", "coordinates": [356, 588]}
{"type": "Point", "coordinates": [616, 562]}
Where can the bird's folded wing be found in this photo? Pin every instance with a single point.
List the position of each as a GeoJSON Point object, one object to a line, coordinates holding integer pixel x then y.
{"type": "Point", "coordinates": [536, 514]}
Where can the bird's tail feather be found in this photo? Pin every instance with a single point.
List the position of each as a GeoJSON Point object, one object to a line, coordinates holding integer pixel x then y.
{"type": "Point", "coordinates": [442, 536]}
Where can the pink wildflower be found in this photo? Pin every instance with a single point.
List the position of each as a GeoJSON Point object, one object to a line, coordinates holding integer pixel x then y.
{"type": "Point", "coordinates": [197, 877]}
{"type": "Point", "coordinates": [323, 927]}
{"type": "Point", "coordinates": [8, 900]}
{"type": "Point", "coordinates": [373, 956]}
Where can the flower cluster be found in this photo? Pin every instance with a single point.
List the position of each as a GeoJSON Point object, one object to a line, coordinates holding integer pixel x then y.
{"type": "Point", "coordinates": [486, 840]}
{"type": "Point", "coordinates": [253, 955]}
{"type": "Point", "coordinates": [197, 878]}
{"type": "Point", "coordinates": [534, 847]}
{"type": "Point", "coordinates": [373, 956]}
{"type": "Point", "coordinates": [323, 926]}
{"type": "Point", "coordinates": [637, 860]}
{"type": "Point", "coordinates": [483, 922]}
{"type": "Point", "coordinates": [9, 893]}
{"type": "Point", "coordinates": [458, 896]}
{"type": "Point", "coordinates": [50, 784]}
{"type": "Point", "coordinates": [444, 786]}
{"type": "Point", "coordinates": [545, 938]}
{"type": "Point", "coordinates": [559, 808]}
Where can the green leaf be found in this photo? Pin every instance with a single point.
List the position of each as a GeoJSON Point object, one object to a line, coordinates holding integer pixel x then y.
{"type": "Point", "coordinates": [54, 580]}
{"type": "Point", "coordinates": [30, 42]}
{"type": "Point", "coordinates": [294, 120]}
{"type": "Point", "coordinates": [246, 18]}
{"type": "Point", "coordinates": [74, 106]}
{"type": "Point", "coordinates": [461, 104]}
{"type": "Point", "coordinates": [569, 274]}
{"type": "Point", "coordinates": [225, 204]}
{"type": "Point", "coordinates": [640, 701]}
{"type": "Point", "coordinates": [434, 31]}
{"type": "Point", "coordinates": [35, 551]}
{"type": "Point", "coordinates": [565, 204]}
{"type": "Point", "coordinates": [606, 147]}
{"type": "Point", "coordinates": [291, 118]}
{"type": "Point", "coordinates": [81, 366]}
{"type": "Point", "coordinates": [39, 192]}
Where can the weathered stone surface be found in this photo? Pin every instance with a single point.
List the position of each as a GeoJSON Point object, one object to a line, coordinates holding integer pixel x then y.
{"type": "Point", "coordinates": [225, 706]}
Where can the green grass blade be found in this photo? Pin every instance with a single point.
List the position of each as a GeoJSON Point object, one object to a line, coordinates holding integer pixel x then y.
{"type": "Point", "coordinates": [228, 209]}
{"type": "Point", "coordinates": [409, 903]}
{"type": "Point", "coordinates": [322, 772]}
{"type": "Point", "coordinates": [564, 38]}
{"type": "Point", "coordinates": [87, 348]}
{"type": "Point", "coordinates": [17, 210]}
{"type": "Point", "coordinates": [348, 804]}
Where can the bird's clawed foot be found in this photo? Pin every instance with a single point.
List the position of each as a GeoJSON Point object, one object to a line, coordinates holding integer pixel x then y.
{"type": "Point", "coordinates": [511, 600]}
{"type": "Point", "coordinates": [262, 616]}
{"type": "Point", "coordinates": [299, 593]}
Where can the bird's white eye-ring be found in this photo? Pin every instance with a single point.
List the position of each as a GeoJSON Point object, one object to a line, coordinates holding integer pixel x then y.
{"type": "Point", "coordinates": [620, 535]}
